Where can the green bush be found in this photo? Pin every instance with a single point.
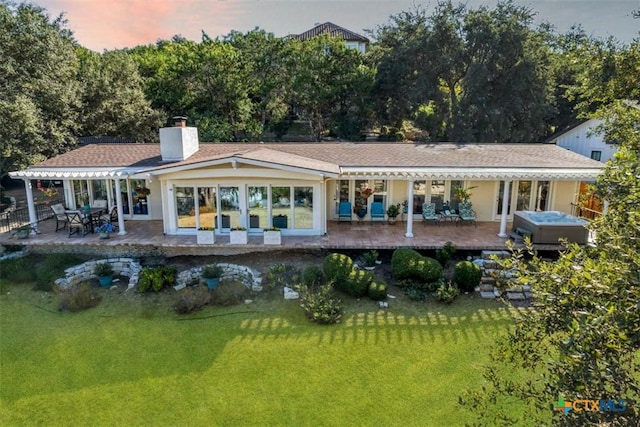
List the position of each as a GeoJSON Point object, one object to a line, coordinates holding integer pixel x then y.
{"type": "Point", "coordinates": [320, 304]}
{"type": "Point", "coordinates": [313, 277]}
{"type": "Point", "coordinates": [467, 275]}
{"type": "Point", "coordinates": [79, 297]}
{"type": "Point", "coordinates": [337, 268]}
{"type": "Point", "coordinates": [416, 294]}
{"type": "Point", "coordinates": [280, 275]}
{"type": "Point", "coordinates": [18, 270]}
{"type": "Point", "coordinates": [230, 292]}
{"type": "Point", "coordinates": [191, 299]}
{"type": "Point", "coordinates": [444, 255]}
{"type": "Point", "coordinates": [156, 278]}
{"type": "Point", "coordinates": [357, 283]}
{"type": "Point", "coordinates": [447, 292]}
{"type": "Point", "coordinates": [408, 264]}
{"type": "Point", "coordinates": [377, 290]}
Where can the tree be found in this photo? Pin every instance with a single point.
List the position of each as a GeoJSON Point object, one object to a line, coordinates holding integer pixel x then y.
{"type": "Point", "coordinates": [114, 103]}
{"type": "Point", "coordinates": [40, 89]}
{"type": "Point", "coordinates": [582, 338]}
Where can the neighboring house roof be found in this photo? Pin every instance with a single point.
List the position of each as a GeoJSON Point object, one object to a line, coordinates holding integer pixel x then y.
{"type": "Point", "coordinates": [401, 160]}
{"type": "Point", "coordinates": [331, 29]}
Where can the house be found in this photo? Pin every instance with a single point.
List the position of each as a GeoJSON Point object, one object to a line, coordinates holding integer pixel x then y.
{"type": "Point", "coordinates": [298, 186]}
{"type": "Point", "coordinates": [584, 139]}
{"type": "Point", "coordinates": [351, 39]}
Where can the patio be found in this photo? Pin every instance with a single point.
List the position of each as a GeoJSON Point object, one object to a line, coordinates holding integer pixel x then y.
{"type": "Point", "coordinates": [147, 237]}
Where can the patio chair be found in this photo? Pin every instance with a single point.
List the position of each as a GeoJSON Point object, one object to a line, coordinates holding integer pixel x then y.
{"type": "Point", "coordinates": [429, 213]}
{"type": "Point", "coordinates": [344, 211]}
{"type": "Point", "coordinates": [111, 217]}
{"type": "Point", "coordinates": [77, 223]}
{"type": "Point", "coordinates": [377, 211]}
{"type": "Point", "coordinates": [466, 214]}
{"type": "Point", "coordinates": [60, 215]}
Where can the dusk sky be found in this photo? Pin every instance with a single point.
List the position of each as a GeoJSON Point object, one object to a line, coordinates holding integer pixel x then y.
{"type": "Point", "coordinates": [114, 24]}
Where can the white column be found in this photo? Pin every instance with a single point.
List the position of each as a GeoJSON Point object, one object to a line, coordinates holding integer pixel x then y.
{"type": "Point", "coordinates": [409, 232]}
{"type": "Point", "coordinates": [33, 218]}
{"type": "Point", "coordinates": [505, 207]}
{"type": "Point", "coordinates": [121, 230]}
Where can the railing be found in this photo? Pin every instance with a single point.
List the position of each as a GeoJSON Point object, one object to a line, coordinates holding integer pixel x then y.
{"type": "Point", "coordinates": [13, 218]}
{"type": "Point", "coordinates": [582, 212]}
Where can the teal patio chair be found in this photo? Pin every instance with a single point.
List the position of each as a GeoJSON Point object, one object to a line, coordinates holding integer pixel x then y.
{"type": "Point", "coordinates": [377, 211]}
{"type": "Point", "coordinates": [344, 211]}
{"type": "Point", "coordinates": [466, 214]}
{"type": "Point", "coordinates": [429, 213]}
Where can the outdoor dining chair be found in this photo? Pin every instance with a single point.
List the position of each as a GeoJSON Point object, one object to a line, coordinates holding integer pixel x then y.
{"type": "Point", "coordinates": [61, 217]}
{"type": "Point", "coordinates": [77, 223]}
{"type": "Point", "coordinates": [111, 217]}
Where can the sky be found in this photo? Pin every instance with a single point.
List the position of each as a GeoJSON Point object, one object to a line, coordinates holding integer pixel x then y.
{"type": "Point", "coordinates": [115, 24]}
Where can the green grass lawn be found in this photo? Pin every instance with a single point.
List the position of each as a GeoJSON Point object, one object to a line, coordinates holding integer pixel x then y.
{"type": "Point", "coordinates": [132, 361]}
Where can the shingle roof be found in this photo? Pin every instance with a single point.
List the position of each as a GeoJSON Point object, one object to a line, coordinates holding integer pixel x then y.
{"type": "Point", "coordinates": [330, 156]}
{"type": "Point", "coordinates": [333, 30]}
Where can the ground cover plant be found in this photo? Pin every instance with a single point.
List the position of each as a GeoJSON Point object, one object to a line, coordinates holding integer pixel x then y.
{"type": "Point", "coordinates": [132, 357]}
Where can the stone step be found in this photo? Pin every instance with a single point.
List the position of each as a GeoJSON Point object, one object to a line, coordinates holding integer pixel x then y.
{"type": "Point", "coordinates": [486, 280]}
{"type": "Point", "coordinates": [500, 254]}
{"type": "Point", "coordinates": [486, 288]}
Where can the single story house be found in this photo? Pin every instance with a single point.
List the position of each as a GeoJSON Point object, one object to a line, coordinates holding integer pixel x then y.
{"type": "Point", "coordinates": [352, 40]}
{"type": "Point", "coordinates": [298, 186]}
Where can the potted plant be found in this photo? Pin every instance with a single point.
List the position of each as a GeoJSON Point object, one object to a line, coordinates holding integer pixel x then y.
{"type": "Point", "coordinates": [462, 194]}
{"type": "Point", "coordinates": [370, 259]}
{"type": "Point", "coordinates": [84, 198]}
{"type": "Point", "coordinates": [104, 271]}
{"type": "Point", "coordinates": [272, 236]}
{"type": "Point", "coordinates": [22, 232]}
{"type": "Point", "coordinates": [211, 274]}
{"type": "Point", "coordinates": [238, 236]}
{"type": "Point", "coordinates": [104, 230]}
{"type": "Point", "coordinates": [392, 212]}
{"type": "Point", "coordinates": [206, 235]}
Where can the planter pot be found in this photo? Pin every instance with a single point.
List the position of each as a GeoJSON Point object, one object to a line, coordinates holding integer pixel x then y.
{"type": "Point", "coordinates": [392, 220]}
{"type": "Point", "coordinates": [206, 237]}
{"type": "Point", "coordinates": [86, 209]}
{"type": "Point", "coordinates": [213, 282]}
{"type": "Point", "coordinates": [105, 281]}
{"type": "Point", "coordinates": [104, 235]}
{"type": "Point", "coordinates": [272, 237]}
{"type": "Point", "coordinates": [238, 237]}
{"type": "Point", "coordinates": [22, 234]}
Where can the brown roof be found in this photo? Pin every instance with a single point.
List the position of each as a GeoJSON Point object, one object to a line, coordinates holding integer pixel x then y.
{"type": "Point", "coordinates": [330, 156]}
{"type": "Point", "coordinates": [333, 30]}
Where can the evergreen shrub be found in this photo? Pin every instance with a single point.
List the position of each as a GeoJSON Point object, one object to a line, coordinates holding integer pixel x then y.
{"type": "Point", "coordinates": [467, 275]}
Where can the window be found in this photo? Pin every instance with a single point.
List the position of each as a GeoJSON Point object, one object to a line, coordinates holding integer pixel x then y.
{"type": "Point", "coordinates": [596, 155]}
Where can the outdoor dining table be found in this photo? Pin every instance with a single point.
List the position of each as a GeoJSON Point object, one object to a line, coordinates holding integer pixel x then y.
{"type": "Point", "coordinates": [93, 214]}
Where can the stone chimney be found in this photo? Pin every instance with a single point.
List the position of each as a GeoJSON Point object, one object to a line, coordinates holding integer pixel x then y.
{"type": "Point", "coordinates": [178, 142]}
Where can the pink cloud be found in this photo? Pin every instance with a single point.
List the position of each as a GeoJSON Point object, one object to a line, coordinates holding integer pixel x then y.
{"type": "Point", "coordinates": [113, 24]}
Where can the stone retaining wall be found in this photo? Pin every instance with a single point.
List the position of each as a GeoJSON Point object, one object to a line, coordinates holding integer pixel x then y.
{"type": "Point", "coordinates": [248, 276]}
{"type": "Point", "coordinates": [121, 266]}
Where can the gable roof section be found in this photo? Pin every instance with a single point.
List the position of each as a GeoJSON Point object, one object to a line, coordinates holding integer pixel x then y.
{"type": "Point", "coordinates": [333, 30]}
{"type": "Point", "coordinates": [393, 160]}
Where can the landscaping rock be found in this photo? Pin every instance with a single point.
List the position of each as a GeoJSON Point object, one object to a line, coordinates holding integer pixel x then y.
{"type": "Point", "coordinates": [290, 293]}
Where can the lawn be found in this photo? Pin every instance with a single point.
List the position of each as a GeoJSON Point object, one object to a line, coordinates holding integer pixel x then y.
{"type": "Point", "coordinates": [132, 361]}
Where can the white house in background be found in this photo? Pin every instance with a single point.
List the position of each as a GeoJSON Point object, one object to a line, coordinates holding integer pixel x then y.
{"type": "Point", "coordinates": [351, 39]}
{"type": "Point", "coordinates": [583, 139]}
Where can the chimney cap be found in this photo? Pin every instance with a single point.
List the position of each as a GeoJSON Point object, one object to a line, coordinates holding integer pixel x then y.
{"type": "Point", "coordinates": [180, 121]}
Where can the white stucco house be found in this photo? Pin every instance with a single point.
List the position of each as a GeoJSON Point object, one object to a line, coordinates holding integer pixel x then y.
{"type": "Point", "coordinates": [297, 186]}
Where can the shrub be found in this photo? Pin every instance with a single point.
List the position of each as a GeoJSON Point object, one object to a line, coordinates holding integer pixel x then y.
{"type": "Point", "coordinates": [356, 284]}
{"type": "Point", "coordinates": [370, 258]}
{"type": "Point", "coordinates": [312, 277]}
{"type": "Point", "coordinates": [79, 297]}
{"type": "Point", "coordinates": [192, 299]}
{"type": "Point", "coordinates": [377, 290]}
{"type": "Point", "coordinates": [156, 278]}
{"type": "Point", "coordinates": [444, 255]}
{"type": "Point", "coordinates": [103, 269]}
{"type": "Point", "coordinates": [416, 294]}
{"type": "Point", "coordinates": [447, 292]}
{"type": "Point", "coordinates": [409, 264]}
{"type": "Point", "coordinates": [320, 304]}
{"type": "Point", "coordinates": [230, 292]}
{"type": "Point", "coordinates": [281, 275]}
{"type": "Point", "coordinates": [18, 270]}
{"type": "Point", "coordinates": [337, 268]}
{"type": "Point", "coordinates": [467, 275]}
{"type": "Point", "coordinates": [212, 271]}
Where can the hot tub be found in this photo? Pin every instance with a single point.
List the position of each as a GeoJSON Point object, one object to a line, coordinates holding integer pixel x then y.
{"type": "Point", "coordinates": [547, 227]}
